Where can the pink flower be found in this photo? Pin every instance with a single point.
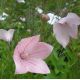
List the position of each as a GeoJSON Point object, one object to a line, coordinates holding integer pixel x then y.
{"type": "Point", "coordinates": [29, 55]}
{"type": "Point", "coordinates": [66, 27]}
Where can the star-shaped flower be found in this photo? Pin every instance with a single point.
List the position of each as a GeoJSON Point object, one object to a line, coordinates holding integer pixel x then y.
{"type": "Point", "coordinates": [29, 56]}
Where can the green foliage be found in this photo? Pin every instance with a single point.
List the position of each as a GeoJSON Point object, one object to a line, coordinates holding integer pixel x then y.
{"type": "Point", "coordinates": [63, 63]}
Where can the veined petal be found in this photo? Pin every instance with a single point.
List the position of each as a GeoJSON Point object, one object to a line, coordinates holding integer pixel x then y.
{"type": "Point", "coordinates": [38, 66]}
{"type": "Point", "coordinates": [41, 50]}
{"type": "Point", "coordinates": [21, 65]}
{"type": "Point", "coordinates": [61, 32]}
{"type": "Point", "coordinates": [27, 44]}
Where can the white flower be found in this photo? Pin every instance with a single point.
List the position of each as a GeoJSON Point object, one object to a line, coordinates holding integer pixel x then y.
{"type": "Point", "coordinates": [23, 19]}
{"type": "Point", "coordinates": [21, 1]}
{"type": "Point", "coordinates": [53, 18]}
{"type": "Point", "coordinates": [39, 10]}
{"type": "Point", "coordinates": [28, 30]}
{"type": "Point", "coordinates": [3, 16]}
{"type": "Point", "coordinates": [6, 35]}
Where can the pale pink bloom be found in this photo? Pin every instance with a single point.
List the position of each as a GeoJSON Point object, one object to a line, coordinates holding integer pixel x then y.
{"type": "Point", "coordinates": [6, 35]}
{"type": "Point", "coordinates": [66, 28]}
{"type": "Point", "coordinates": [29, 55]}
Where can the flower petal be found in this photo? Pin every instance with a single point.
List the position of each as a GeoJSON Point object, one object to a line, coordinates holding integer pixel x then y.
{"type": "Point", "coordinates": [73, 31]}
{"type": "Point", "coordinates": [21, 1]}
{"type": "Point", "coordinates": [9, 34]}
{"type": "Point", "coordinates": [21, 65]}
{"type": "Point", "coordinates": [27, 43]}
{"type": "Point", "coordinates": [3, 34]}
{"type": "Point", "coordinates": [41, 50]}
{"type": "Point", "coordinates": [72, 21]}
{"type": "Point", "coordinates": [38, 66]}
{"type": "Point", "coordinates": [63, 20]}
{"type": "Point", "coordinates": [6, 35]}
{"type": "Point", "coordinates": [71, 18]}
{"type": "Point", "coordinates": [61, 32]}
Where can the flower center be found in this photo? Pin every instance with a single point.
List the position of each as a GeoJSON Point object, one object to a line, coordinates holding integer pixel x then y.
{"type": "Point", "coordinates": [24, 55]}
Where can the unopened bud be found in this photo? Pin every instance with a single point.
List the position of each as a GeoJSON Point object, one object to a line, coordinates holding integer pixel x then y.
{"type": "Point", "coordinates": [45, 17]}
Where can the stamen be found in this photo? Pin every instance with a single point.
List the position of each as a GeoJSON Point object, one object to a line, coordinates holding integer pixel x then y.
{"type": "Point", "coordinates": [24, 55]}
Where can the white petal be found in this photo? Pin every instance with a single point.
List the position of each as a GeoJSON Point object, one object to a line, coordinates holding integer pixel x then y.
{"type": "Point", "coordinates": [53, 18]}
{"type": "Point", "coordinates": [5, 14]}
{"type": "Point", "coordinates": [21, 1]}
{"type": "Point", "coordinates": [23, 19]}
{"type": "Point", "coordinates": [2, 18]}
{"type": "Point", "coordinates": [40, 11]}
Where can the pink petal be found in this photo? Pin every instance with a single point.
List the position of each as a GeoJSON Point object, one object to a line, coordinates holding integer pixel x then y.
{"type": "Point", "coordinates": [71, 18]}
{"type": "Point", "coordinates": [27, 43]}
{"type": "Point", "coordinates": [63, 20]}
{"type": "Point", "coordinates": [61, 32]}
{"type": "Point", "coordinates": [73, 31]}
{"type": "Point", "coordinates": [38, 66]}
{"type": "Point", "coordinates": [21, 65]}
{"type": "Point", "coordinates": [72, 21]}
{"type": "Point", "coordinates": [41, 50]}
